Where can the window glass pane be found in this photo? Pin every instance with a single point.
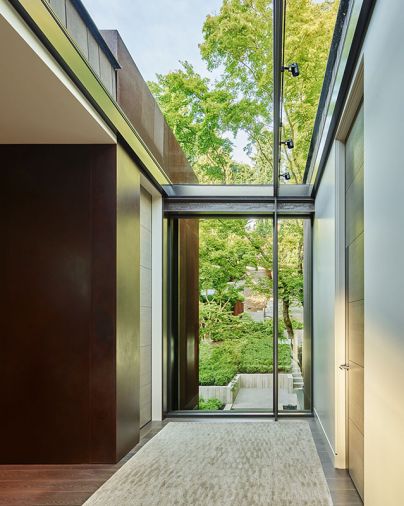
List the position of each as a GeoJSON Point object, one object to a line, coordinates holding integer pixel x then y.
{"type": "Point", "coordinates": [294, 337]}
{"type": "Point", "coordinates": [236, 332]}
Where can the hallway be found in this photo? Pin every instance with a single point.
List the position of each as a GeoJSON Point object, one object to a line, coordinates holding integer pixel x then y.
{"type": "Point", "coordinates": [202, 242]}
{"type": "Point", "coordinates": [73, 485]}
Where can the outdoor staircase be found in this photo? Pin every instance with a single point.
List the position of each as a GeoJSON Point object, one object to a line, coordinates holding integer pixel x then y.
{"type": "Point", "coordinates": [257, 316]}
{"type": "Point", "coordinates": [298, 381]}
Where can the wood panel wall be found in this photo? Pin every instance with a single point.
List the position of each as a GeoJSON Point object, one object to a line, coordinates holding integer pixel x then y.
{"type": "Point", "coordinates": [188, 325]}
{"type": "Point", "coordinates": [66, 396]}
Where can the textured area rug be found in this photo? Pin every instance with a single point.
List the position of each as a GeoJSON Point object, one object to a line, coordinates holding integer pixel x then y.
{"type": "Point", "coordinates": [226, 464]}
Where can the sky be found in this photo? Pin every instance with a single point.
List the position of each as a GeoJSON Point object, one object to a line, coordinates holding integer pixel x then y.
{"type": "Point", "coordinates": [159, 34]}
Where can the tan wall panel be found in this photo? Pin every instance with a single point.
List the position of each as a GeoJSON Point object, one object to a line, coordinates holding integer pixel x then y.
{"type": "Point", "coordinates": [355, 149]}
{"type": "Point", "coordinates": [356, 460]}
{"type": "Point", "coordinates": [354, 208]}
{"type": "Point", "coordinates": [355, 332]}
{"type": "Point", "coordinates": [356, 395]}
{"type": "Point", "coordinates": [355, 270]}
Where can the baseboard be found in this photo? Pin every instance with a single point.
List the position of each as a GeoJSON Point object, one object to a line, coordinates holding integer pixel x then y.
{"type": "Point", "coordinates": [330, 449]}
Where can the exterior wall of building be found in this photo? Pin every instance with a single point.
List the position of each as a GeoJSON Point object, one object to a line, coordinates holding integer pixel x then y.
{"type": "Point", "coordinates": [69, 16]}
{"type": "Point", "coordinates": [135, 98]}
{"type": "Point", "coordinates": [324, 275]}
{"type": "Point", "coordinates": [384, 251]}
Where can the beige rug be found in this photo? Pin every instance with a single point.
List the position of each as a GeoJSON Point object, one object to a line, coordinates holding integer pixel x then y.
{"type": "Point", "coordinates": [221, 464]}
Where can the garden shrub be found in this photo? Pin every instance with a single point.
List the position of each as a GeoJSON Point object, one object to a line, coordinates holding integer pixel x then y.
{"type": "Point", "coordinates": [256, 356]}
{"type": "Point", "coordinates": [217, 363]}
{"type": "Point", "coordinates": [235, 344]}
{"type": "Point", "coordinates": [210, 404]}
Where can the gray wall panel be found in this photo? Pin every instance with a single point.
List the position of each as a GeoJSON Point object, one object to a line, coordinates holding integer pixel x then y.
{"type": "Point", "coordinates": [384, 251]}
{"type": "Point", "coordinates": [59, 6]}
{"type": "Point", "coordinates": [105, 72]}
{"type": "Point", "coordinates": [324, 288]}
{"type": "Point", "coordinates": [76, 27]}
{"type": "Point", "coordinates": [93, 53]}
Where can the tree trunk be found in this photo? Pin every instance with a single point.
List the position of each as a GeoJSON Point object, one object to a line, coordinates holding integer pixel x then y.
{"type": "Point", "coordinates": [286, 318]}
{"type": "Point", "coordinates": [289, 329]}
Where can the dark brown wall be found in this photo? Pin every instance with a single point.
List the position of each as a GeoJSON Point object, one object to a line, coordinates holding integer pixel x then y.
{"type": "Point", "coordinates": [128, 303]}
{"type": "Point", "coordinates": [188, 312]}
{"type": "Point", "coordinates": [136, 100]}
{"type": "Point", "coordinates": [58, 268]}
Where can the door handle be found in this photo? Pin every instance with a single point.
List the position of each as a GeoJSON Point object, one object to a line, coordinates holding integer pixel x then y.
{"type": "Point", "coordinates": [344, 367]}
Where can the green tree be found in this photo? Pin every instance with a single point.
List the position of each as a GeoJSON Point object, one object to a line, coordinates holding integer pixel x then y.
{"type": "Point", "coordinates": [224, 256]}
{"type": "Point", "coordinates": [309, 28]}
{"type": "Point", "coordinates": [238, 40]}
{"type": "Point", "coordinates": [194, 110]}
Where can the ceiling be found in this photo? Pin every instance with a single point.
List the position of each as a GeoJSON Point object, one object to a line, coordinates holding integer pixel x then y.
{"type": "Point", "coordinates": [39, 104]}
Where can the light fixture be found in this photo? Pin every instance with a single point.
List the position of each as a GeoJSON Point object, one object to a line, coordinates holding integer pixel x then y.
{"type": "Point", "coordinates": [293, 68]}
{"type": "Point", "coordinates": [289, 143]}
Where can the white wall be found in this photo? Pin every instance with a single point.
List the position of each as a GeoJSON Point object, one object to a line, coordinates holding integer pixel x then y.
{"type": "Point", "coordinates": [145, 307]}
{"type": "Point", "coordinates": [324, 302]}
{"type": "Point", "coordinates": [157, 307]}
{"type": "Point", "coordinates": [384, 254]}
{"type": "Point", "coordinates": [156, 259]}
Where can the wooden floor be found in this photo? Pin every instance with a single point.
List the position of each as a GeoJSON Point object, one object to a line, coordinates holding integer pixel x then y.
{"type": "Point", "coordinates": [73, 484]}
{"type": "Point", "coordinates": [342, 489]}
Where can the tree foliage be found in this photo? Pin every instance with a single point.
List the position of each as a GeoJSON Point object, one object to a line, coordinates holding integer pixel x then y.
{"type": "Point", "coordinates": [309, 27]}
{"type": "Point", "coordinates": [237, 43]}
